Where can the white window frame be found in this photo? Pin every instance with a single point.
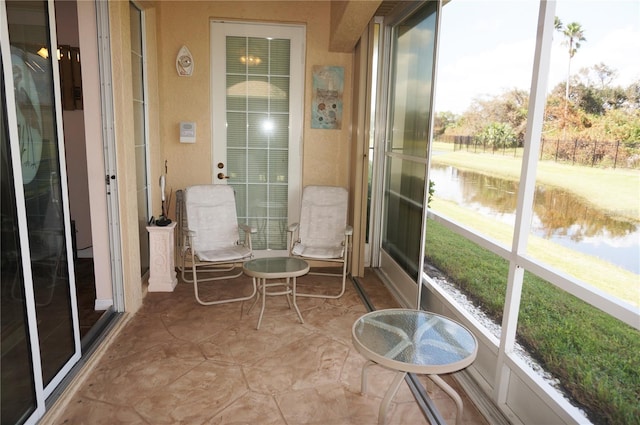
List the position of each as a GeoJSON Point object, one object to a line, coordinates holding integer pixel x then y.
{"type": "Point", "coordinates": [500, 378]}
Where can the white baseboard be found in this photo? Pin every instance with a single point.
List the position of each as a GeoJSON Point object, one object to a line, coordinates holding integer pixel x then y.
{"type": "Point", "coordinates": [101, 305]}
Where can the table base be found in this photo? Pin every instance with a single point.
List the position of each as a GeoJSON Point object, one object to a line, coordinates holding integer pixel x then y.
{"type": "Point", "coordinates": [395, 385]}
{"type": "Point", "coordinates": [289, 289]}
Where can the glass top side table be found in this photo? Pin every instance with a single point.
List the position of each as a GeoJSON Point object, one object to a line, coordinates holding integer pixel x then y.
{"type": "Point", "coordinates": [287, 268]}
{"type": "Point", "coordinates": [413, 341]}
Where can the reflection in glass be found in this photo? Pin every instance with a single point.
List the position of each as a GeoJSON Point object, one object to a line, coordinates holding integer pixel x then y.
{"type": "Point", "coordinates": [412, 82]}
{"type": "Point", "coordinates": [409, 127]}
{"type": "Point", "coordinates": [140, 140]}
{"type": "Point", "coordinates": [18, 388]}
{"type": "Point", "coordinates": [558, 215]}
{"type": "Point", "coordinates": [372, 122]}
{"type": "Point", "coordinates": [403, 199]}
{"type": "Point", "coordinates": [33, 80]}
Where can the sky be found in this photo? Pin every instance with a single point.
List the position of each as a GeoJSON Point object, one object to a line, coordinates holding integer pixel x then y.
{"type": "Point", "coordinates": [487, 47]}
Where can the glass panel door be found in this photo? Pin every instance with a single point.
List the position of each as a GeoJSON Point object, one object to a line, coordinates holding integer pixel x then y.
{"type": "Point", "coordinates": [257, 130]}
{"type": "Point", "coordinates": [408, 131]}
{"type": "Point", "coordinates": [43, 212]}
{"type": "Point", "coordinates": [18, 390]}
{"type": "Point", "coordinates": [140, 127]}
{"type": "Point", "coordinates": [258, 134]}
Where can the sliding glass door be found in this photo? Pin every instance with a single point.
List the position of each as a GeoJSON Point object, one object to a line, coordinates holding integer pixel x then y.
{"type": "Point", "coordinates": [18, 385]}
{"type": "Point", "coordinates": [37, 278]}
{"type": "Point", "coordinates": [410, 99]}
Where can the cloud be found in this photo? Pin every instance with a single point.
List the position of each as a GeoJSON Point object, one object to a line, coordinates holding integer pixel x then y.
{"type": "Point", "coordinates": [490, 72]}
{"type": "Point", "coordinates": [481, 57]}
{"type": "Point", "coordinates": [618, 49]}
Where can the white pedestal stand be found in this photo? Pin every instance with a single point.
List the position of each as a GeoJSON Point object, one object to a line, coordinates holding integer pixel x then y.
{"type": "Point", "coordinates": [162, 273]}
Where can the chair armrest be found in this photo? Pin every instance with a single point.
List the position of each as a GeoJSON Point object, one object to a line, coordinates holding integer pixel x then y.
{"type": "Point", "coordinates": [187, 241]}
{"type": "Point", "coordinates": [348, 231]}
{"type": "Point", "coordinates": [293, 227]}
{"type": "Point", "coordinates": [247, 228]}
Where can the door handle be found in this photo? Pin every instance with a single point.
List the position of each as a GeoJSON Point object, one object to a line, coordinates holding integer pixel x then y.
{"type": "Point", "coordinates": [221, 176]}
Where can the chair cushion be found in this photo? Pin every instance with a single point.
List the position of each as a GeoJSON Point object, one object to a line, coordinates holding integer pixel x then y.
{"type": "Point", "coordinates": [211, 215]}
{"type": "Point", "coordinates": [326, 252]}
{"type": "Point", "coordinates": [232, 253]}
{"type": "Point", "coordinates": [323, 217]}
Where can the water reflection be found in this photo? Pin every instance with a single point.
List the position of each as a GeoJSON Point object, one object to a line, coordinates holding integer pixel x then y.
{"type": "Point", "coordinates": [558, 215]}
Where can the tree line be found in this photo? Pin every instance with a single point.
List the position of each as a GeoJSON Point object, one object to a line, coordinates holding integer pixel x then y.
{"type": "Point", "coordinates": [595, 110]}
{"type": "Point", "coordinates": [587, 107]}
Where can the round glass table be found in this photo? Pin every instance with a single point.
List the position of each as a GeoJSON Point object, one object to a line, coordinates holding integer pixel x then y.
{"type": "Point", "coordinates": [413, 341]}
{"type": "Point", "coordinates": [287, 268]}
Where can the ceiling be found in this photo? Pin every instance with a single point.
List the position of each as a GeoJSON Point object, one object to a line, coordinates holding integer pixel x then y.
{"type": "Point", "coordinates": [350, 18]}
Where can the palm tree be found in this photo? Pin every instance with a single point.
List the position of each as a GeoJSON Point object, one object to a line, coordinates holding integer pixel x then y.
{"type": "Point", "coordinates": [557, 24]}
{"type": "Point", "coordinates": [574, 35]}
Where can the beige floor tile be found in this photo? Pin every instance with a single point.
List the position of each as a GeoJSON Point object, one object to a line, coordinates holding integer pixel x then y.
{"type": "Point", "coordinates": [251, 408]}
{"type": "Point", "coordinates": [196, 396]}
{"type": "Point", "coordinates": [177, 362]}
{"type": "Point", "coordinates": [322, 404]}
{"type": "Point", "coordinates": [85, 411]}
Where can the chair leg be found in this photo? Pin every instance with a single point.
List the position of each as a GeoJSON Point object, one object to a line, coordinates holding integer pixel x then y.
{"type": "Point", "coordinates": [341, 293]}
{"type": "Point", "coordinates": [183, 271]}
{"type": "Point", "coordinates": [227, 300]}
{"type": "Point", "coordinates": [344, 273]}
{"type": "Point", "coordinates": [209, 268]}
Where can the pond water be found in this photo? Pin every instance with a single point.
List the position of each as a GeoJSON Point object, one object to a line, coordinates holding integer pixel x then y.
{"type": "Point", "coordinates": [557, 215]}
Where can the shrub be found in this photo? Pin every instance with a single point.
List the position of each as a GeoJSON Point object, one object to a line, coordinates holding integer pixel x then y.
{"type": "Point", "coordinates": [497, 135]}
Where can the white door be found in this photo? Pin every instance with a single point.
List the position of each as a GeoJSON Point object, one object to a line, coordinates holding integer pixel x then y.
{"type": "Point", "coordinates": [257, 91]}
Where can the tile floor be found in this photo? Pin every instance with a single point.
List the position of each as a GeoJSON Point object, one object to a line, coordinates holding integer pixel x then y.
{"type": "Point", "coordinates": [177, 362]}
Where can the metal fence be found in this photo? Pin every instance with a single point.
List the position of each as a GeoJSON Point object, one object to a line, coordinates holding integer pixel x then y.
{"type": "Point", "coordinates": [589, 153]}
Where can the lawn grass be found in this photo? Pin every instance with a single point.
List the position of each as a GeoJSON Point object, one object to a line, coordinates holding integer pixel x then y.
{"type": "Point", "coordinates": [595, 356]}
{"type": "Point", "coordinates": [598, 273]}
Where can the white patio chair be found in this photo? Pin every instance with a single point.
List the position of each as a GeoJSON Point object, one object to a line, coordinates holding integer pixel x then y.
{"type": "Point", "coordinates": [213, 245]}
{"type": "Point", "coordinates": [322, 235]}
{"type": "Point", "coordinates": [182, 239]}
